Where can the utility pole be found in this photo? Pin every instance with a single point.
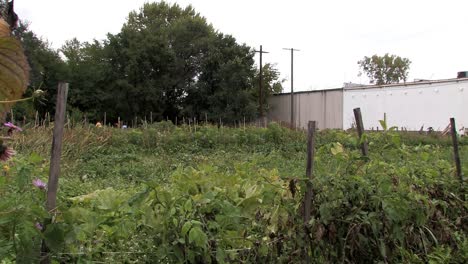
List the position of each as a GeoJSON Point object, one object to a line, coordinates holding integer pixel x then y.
{"type": "Point", "coordinates": [261, 81]}
{"type": "Point", "coordinates": [293, 125]}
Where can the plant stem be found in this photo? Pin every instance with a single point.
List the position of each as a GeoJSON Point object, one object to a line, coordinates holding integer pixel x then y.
{"type": "Point", "coordinates": [15, 101]}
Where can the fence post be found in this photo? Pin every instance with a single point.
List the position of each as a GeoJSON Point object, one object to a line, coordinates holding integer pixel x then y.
{"type": "Point", "coordinates": [54, 173]}
{"type": "Point", "coordinates": [360, 129]}
{"type": "Point", "coordinates": [105, 119]}
{"type": "Point", "coordinates": [36, 119]}
{"type": "Point", "coordinates": [309, 170]}
{"type": "Point", "coordinates": [456, 153]}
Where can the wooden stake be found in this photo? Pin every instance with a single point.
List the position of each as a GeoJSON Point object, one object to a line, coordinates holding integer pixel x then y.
{"type": "Point", "coordinates": [57, 145]}
{"type": "Point", "coordinates": [309, 169]}
{"type": "Point", "coordinates": [54, 173]}
{"type": "Point", "coordinates": [105, 119]}
{"type": "Point", "coordinates": [360, 129]}
{"type": "Point", "coordinates": [36, 120]}
{"type": "Point", "coordinates": [309, 174]}
{"type": "Point", "coordinates": [151, 117]}
{"type": "Point", "coordinates": [456, 153]}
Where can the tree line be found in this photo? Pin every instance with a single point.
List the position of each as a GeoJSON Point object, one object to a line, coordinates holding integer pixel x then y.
{"type": "Point", "coordinates": [166, 60]}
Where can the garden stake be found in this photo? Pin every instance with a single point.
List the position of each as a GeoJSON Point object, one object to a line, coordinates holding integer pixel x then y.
{"type": "Point", "coordinates": [456, 153]}
{"type": "Point", "coordinates": [360, 129]}
{"type": "Point", "coordinates": [54, 173]}
{"type": "Point", "coordinates": [309, 169]}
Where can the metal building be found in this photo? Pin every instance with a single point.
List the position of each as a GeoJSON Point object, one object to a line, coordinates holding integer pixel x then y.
{"type": "Point", "coordinates": [324, 106]}
{"type": "Point", "coordinates": [411, 105]}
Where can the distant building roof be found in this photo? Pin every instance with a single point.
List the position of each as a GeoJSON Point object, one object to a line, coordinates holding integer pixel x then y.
{"type": "Point", "coordinates": [416, 82]}
{"type": "Point", "coordinates": [356, 86]}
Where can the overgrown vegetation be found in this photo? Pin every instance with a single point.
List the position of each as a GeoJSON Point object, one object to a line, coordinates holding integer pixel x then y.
{"type": "Point", "coordinates": [221, 195]}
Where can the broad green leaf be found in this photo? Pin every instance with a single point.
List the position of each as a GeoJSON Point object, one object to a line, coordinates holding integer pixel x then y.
{"type": "Point", "coordinates": [337, 148]}
{"type": "Point", "coordinates": [54, 237]}
{"type": "Point", "coordinates": [188, 205]}
{"type": "Point", "coordinates": [198, 237]}
{"type": "Point", "coordinates": [185, 228]}
{"type": "Point", "coordinates": [137, 198]}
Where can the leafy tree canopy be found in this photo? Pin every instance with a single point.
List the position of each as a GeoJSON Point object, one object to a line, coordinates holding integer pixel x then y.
{"type": "Point", "coordinates": [385, 69]}
{"type": "Point", "coordinates": [169, 61]}
{"type": "Point", "coordinates": [46, 69]}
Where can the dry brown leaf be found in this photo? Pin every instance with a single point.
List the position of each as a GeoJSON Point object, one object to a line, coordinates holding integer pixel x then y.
{"type": "Point", "coordinates": [14, 68]}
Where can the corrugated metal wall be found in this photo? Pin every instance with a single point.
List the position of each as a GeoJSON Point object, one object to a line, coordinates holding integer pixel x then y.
{"type": "Point", "coordinates": [325, 107]}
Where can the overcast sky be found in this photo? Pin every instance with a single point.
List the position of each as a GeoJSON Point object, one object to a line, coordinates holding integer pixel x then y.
{"type": "Point", "coordinates": [332, 35]}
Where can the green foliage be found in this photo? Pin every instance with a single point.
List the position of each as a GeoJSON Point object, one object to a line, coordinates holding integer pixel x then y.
{"type": "Point", "coordinates": [22, 206]}
{"type": "Point", "coordinates": [272, 84]}
{"type": "Point", "coordinates": [222, 195]}
{"type": "Point", "coordinates": [170, 61]}
{"type": "Point", "coordinates": [47, 69]}
{"type": "Point", "coordinates": [385, 69]}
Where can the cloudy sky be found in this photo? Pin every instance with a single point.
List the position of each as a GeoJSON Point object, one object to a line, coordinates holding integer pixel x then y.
{"type": "Point", "coordinates": [332, 35]}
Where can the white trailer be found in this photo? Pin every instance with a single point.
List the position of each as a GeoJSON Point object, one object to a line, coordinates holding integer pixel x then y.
{"type": "Point", "coordinates": [411, 106]}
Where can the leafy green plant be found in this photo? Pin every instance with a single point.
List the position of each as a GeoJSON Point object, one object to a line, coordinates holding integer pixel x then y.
{"type": "Point", "coordinates": [225, 195]}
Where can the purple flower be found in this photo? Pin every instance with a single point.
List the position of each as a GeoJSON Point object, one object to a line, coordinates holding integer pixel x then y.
{"type": "Point", "coordinates": [38, 226]}
{"type": "Point", "coordinates": [11, 126]}
{"type": "Point", "coordinates": [39, 184]}
{"type": "Point", "coordinates": [6, 152]}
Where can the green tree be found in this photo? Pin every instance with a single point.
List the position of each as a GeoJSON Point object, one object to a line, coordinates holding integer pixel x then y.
{"type": "Point", "coordinates": [385, 69]}
{"type": "Point", "coordinates": [90, 71]}
{"type": "Point", "coordinates": [223, 88]}
{"type": "Point", "coordinates": [46, 70]}
{"type": "Point", "coordinates": [169, 61]}
{"type": "Point", "coordinates": [157, 57]}
{"type": "Point", "coordinates": [271, 83]}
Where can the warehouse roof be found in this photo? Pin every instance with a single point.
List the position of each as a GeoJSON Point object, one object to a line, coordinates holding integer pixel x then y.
{"type": "Point", "coordinates": [354, 86]}
{"type": "Point", "coordinates": [417, 82]}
